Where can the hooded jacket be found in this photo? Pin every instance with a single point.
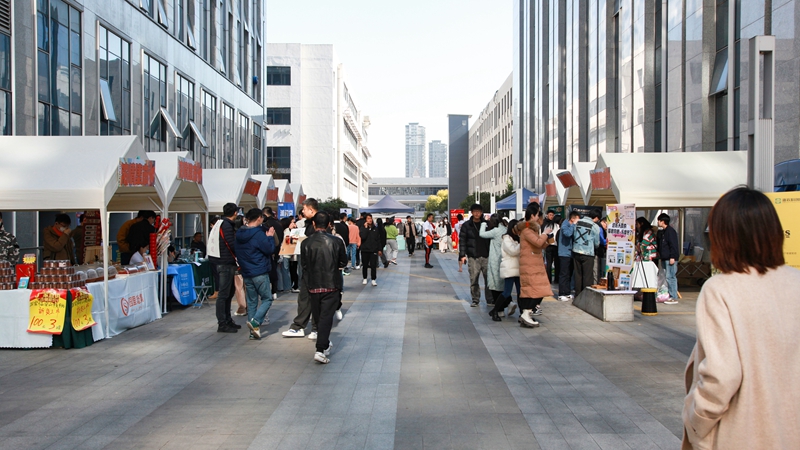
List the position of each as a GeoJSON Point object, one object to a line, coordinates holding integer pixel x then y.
{"type": "Point", "coordinates": [254, 250]}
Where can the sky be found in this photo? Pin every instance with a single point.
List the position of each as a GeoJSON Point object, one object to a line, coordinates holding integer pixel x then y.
{"type": "Point", "coordinates": [411, 61]}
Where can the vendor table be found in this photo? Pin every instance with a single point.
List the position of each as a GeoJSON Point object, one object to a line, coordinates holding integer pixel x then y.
{"type": "Point", "coordinates": [203, 276]}
{"type": "Point", "coordinates": [183, 282]}
{"type": "Point", "coordinates": [14, 317]}
{"type": "Point", "coordinates": [132, 301]}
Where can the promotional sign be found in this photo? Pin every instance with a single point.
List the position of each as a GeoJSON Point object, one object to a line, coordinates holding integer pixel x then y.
{"type": "Point", "coordinates": [48, 308]}
{"type": "Point", "coordinates": [621, 237]}
{"type": "Point", "coordinates": [252, 187]}
{"type": "Point", "coordinates": [454, 216]}
{"type": "Point", "coordinates": [189, 170]}
{"type": "Point", "coordinates": [286, 210]}
{"type": "Point", "coordinates": [348, 211]}
{"type": "Point", "coordinates": [558, 210]}
{"type": "Point", "coordinates": [787, 204]}
{"type": "Point", "coordinates": [82, 309]}
{"type": "Point", "coordinates": [136, 172]}
{"type": "Point", "coordinates": [584, 210]}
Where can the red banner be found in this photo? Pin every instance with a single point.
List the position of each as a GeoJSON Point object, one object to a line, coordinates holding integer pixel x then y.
{"type": "Point", "coordinates": [252, 187]}
{"type": "Point", "coordinates": [134, 173]}
{"type": "Point", "coordinates": [601, 178]}
{"type": "Point", "coordinates": [301, 199]}
{"type": "Point", "coordinates": [189, 170]}
{"type": "Point", "coordinates": [288, 197]}
{"type": "Point", "coordinates": [454, 216]}
{"type": "Point", "coordinates": [272, 195]}
{"type": "Point", "coordinates": [567, 180]}
{"type": "Point", "coordinates": [550, 189]}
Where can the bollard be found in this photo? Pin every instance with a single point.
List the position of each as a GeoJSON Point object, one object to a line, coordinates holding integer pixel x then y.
{"type": "Point", "coordinates": [649, 302]}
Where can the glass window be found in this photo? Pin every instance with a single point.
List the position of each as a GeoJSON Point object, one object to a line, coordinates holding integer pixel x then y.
{"type": "Point", "coordinates": [279, 162]}
{"type": "Point", "coordinates": [154, 89]}
{"type": "Point", "coordinates": [114, 60]}
{"type": "Point", "coordinates": [59, 71]}
{"type": "Point", "coordinates": [279, 76]}
{"type": "Point", "coordinates": [279, 116]}
{"type": "Point", "coordinates": [5, 84]}
{"type": "Point", "coordinates": [244, 148]}
{"type": "Point", "coordinates": [350, 169]}
{"type": "Point", "coordinates": [719, 80]}
{"type": "Point", "coordinates": [209, 129]}
{"type": "Point", "coordinates": [258, 159]}
{"type": "Point", "coordinates": [228, 126]}
{"type": "Point", "coordinates": [184, 106]}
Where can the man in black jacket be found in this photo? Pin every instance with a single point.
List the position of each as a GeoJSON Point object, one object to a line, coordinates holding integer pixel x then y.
{"type": "Point", "coordinates": [226, 268]}
{"type": "Point", "coordinates": [298, 327]}
{"type": "Point", "coordinates": [669, 251]}
{"type": "Point", "coordinates": [322, 256]}
{"type": "Point", "coordinates": [474, 250]}
{"type": "Point", "coordinates": [270, 221]}
{"type": "Point", "coordinates": [370, 249]}
{"type": "Point", "coordinates": [139, 233]}
{"type": "Point", "coordinates": [341, 228]}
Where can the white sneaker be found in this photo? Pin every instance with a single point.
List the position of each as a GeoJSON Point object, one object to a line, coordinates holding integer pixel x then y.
{"type": "Point", "coordinates": [275, 296]}
{"type": "Point", "coordinates": [339, 315]}
{"type": "Point", "coordinates": [364, 282]}
{"type": "Point", "coordinates": [501, 314]}
{"type": "Point", "coordinates": [328, 350]}
{"type": "Point", "coordinates": [537, 311]}
{"type": "Point", "coordinates": [321, 358]}
{"type": "Point", "coordinates": [671, 301]}
{"type": "Point", "coordinates": [375, 283]}
{"type": "Point", "coordinates": [295, 291]}
{"type": "Point", "coordinates": [358, 267]}
{"type": "Point", "coordinates": [312, 335]}
{"type": "Point", "coordinates": [512, 309]}
{"type": "Point", "coordinates": [293, 333]}
{"type": "Point", "coordinates": [563, 298]}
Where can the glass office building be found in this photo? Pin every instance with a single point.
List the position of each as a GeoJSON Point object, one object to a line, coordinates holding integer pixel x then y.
{"type": "Point", "coordinates": [594, 76]}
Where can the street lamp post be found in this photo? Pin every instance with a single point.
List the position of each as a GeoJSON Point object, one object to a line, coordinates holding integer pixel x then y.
{"type": "Point", "coordinates": [491, 197]}
{"type": "Point", "coordinates": [518, 214]}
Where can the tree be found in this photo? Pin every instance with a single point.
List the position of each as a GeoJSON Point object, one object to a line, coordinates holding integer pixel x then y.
{"type": "Point", "coordinates": [485, 201]}
{"type": "Point", "coordinates": [437, 203]}
{"type": "Point", "coordinates": [332, 205]}
{"type": "Point", "coordinates": [509, 189]}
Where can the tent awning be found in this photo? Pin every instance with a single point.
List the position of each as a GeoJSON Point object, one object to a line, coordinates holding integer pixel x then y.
{"type": "Point", "coordinates": [181, 193]}
{"type": "Point", "coordinates": [267, 186]}
{"type": "Point", "coordinates": [673, 180]}
{"type": "Point", "coordinates": [388, 205]}
{"type": "Point", "coordinates": [72, 173]}
{"type": "Point", "coordinates": [224, 186]}
{"type": "Point", "coordinates": [285, 193]}
{"type": "Point", "coordinates": [510, 203]}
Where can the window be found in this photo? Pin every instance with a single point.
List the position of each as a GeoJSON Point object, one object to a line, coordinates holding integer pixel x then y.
{"type": "Point", "coordinates": [351, 136]}
{"type": "Point", "coordinates": [209, 129]}
{"type": "Point", "coordinates": [59, 68]}
{"type": "Point", "coordinates": [185, 17]}
{"type": "Point", "coordinates": [206, 27]}
{"type": "Point", "coordinates": [157, 121]}
{"type": "Point", "coordinates": [5, 67]}
{"type": "Point", "coordinates": [244, 147]}
{"type": "Point", "coordinates": [350, 186]}
{"type": "Point", "coordinates": [279, 116]}
{"type": "Point", "coordinates": [184, 107]}
{"type": "Point", "coordinates": [258, 159]}
{"type": "Point", "coordinates": [279, 163]}
{"type": "Point", "coordinates": [350, 169]}
{"type": "Point", "coordinates": [155, 9]}
{"type": "Point", "coordinates": [115, 84]}
{"type": "Point", "coordinates": [228, 118]}
{"type": "Point", "coordinates": [279, 76]}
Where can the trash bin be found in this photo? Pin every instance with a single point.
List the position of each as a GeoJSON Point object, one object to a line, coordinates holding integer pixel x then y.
{"type": "Point", "coordinates": [649, 302]}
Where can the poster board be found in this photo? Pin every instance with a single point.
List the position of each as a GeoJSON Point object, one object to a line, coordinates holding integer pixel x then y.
{"type": "Point", "coordinates": [286, 210]}
{"type": "Point", "coordinates": [787, 204]}
{"type": "Point", "coordinates": [621, 237]}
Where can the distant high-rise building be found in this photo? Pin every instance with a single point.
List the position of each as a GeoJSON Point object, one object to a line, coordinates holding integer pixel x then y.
{"type": "Point", "coordinates": [437, 159]}
{"type": "Point", "coordinates": [415, 151]}
{"type": "Point", "coordinates": [458, 181]}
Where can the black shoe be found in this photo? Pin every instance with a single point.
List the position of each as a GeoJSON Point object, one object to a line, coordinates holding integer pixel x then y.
{"type": "Point", "coordinates": [474, 304]}
{"type": "Point", "coordinates": [234, 325]}
{"type": "Point", "coordinates": [226, 329]}
{"type": "Point", "coordinates": [495, 316]}
{"type": "Point", "coordinates": [385, 265]}
{"type": "Point", "coordinates": [428, 266]}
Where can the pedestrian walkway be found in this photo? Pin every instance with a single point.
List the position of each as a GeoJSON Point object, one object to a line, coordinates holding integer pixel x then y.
{"type": "Point", "coordinates": [413, 366]}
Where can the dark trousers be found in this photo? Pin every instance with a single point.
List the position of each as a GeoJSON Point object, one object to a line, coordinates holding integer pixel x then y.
{"type": "Point", "coordinates": [501, 302]}
{"type": "Point", "coordinates": [303, 309]}
{"type": "Point", "coordinates": [322, 308]}
{"type": "Point", "coordinates": [584, 272]}
{"type": "Point", "coordinates": [215, 274]}
{"type": "Point", "coordinates": [293, 273]}
{"type": "Point", "coordinates": [273, 274]}
{"type": "Point", "coordinates": [564, 276]}
{"type": "Point", "coordinates": [125, 258]}
{"type": "Point", "coordinates": [227, 273]}
{"type": "Point", "coordinates": [369, 260]}
{"type": "Point", "coordinates": [529, 303]}
{"type": "Point", "coordinates": [550, 260]}
{"type": "Point", "coordinates": [410, 242]}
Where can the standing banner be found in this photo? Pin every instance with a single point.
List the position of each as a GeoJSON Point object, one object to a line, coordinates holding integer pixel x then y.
{"type": "Point", "coordinates": [621, 237]}
{"type": "Point", "coordinates": [285, 209]}
{"type": "Point", "coordinates": [48, 309]}
{"type": "Point", "coordinates": [787, 204]}
{"type": "Point", "coordinates": [348, 211]}
{"type": "Point", "coordinates": [82, 309]}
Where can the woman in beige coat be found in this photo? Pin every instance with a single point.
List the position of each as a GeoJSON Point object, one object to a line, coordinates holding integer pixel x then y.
{"type": "Point", "coordinates": [532, 274]}
{"type": "Point", "coordinates": [743, 377]}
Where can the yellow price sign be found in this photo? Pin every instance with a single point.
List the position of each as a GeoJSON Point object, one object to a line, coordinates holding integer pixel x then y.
{"type": "Point", "coordinates": [787, 204]}
{"type": "Point", "coordinates": [82, 309]}
{"type": "Point", "coordinates": [48, 309]}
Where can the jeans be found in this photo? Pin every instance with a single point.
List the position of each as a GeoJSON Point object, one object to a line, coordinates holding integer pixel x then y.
{"type": "Point", "coordinates": [352, 250]}
{"type": "Point", "coordinates": [258, 287]}
{"type": "Point", "coordinates": [369, 261]}
{"type": "Point", "coordinates": [584, 271]}
{"type": "Point", "coordinates": [564, 276]}
{"type": "Point", "coordinates": [323, 306]}
{"type": "Point", "coordinates": [672, 280]}
{"type": "Point", "coordinates": [478, 266]}
{"type": "Point", "coordinates": [226, 290]}
{"type": "Point", "coordinates": [391, 254]}
{"type": "Point", "coordinates": [509, 285]}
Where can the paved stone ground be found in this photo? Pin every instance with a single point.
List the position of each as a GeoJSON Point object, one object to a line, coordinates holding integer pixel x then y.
{"type": "Point", "coordinates": [413, 367]}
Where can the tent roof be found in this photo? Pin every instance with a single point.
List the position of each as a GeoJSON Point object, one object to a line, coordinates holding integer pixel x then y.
{"type": "Point", "coordinates": [674, 180]}
{"type": "Point", "coordinates": [179, 195]}
{"type": "Point", "coordinates": [224, 186]}
{"type": "Point", "coordinates": [510, 203]}
{"type": "Point", "coordinates": [388, 205]}
{"type": "Point", "coordinates": [283, 187]}
{"type": "Point", "coordinates": [787, 173]}
{"type": "Point", "coordinates": [266, 183]}
{"type": "Point", "coordinates": [553, 200]}
{"type": "Point", "coordinates": [71, 173]}
{"type": "Point", "coordinates": [574, 194]}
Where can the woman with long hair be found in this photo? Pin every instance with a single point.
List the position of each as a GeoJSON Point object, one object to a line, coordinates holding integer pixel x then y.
{"type": "Point", "coordinates": [494, 230]}
{"type": "Point", "coordinates": [289, 223]}
{"type": "Point", "coordinates": [645, 240]}
{"type": "Point", "coordinates": [509, 272]}
{"type": "Point", "coordinates": [533, 277]}
{"type": "Point", "coordinates": [743, 376]}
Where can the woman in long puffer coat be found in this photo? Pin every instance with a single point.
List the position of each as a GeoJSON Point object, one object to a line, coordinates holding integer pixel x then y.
{"type": "Point", "coordinates": [533, 276]}
{"type": "Point", "coordinates": [494, 230]}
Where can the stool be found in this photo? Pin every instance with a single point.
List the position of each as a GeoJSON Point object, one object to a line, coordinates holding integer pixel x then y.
{"type": "Point", "coordinates": [202, 295]}
{"type": "Point", "coordinates": [649, 302]}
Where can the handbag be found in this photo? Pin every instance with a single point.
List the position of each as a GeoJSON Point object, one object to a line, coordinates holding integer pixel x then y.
{"type": "Point", "coordinates": [428, 240]}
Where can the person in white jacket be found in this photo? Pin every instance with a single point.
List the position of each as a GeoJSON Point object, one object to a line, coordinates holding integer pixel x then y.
{"type": "Point", "coordinates": [509, 270]}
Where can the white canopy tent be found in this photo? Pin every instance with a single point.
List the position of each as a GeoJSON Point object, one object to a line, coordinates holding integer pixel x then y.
{"type": "Point", "coordinates": [574, 183]}
{"type": "Point", "coordinates": [224, 186]}
{"type": "Point", "coordinates": [285, 193]}
{"type": "Point", "coordinates": [267, 186]}
{"type": "Point", "coordinates": [554, 190]}
{"type": "Point", "coordinates": [74, 173]}
{"type": "Point", "coordinates": [299, 195]}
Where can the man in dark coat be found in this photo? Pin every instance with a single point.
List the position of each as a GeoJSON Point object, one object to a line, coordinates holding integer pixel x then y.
{"type": "Point", "coordinates": [474, 250]}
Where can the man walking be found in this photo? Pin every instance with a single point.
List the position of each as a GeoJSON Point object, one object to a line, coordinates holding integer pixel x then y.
{"type": "Point", "coordinates": [391, 241]}
{"type": "Point", "coordinates": [565, 235]}
{"type": "Point", "coordinates": [223, 257]}
{"type": "Point", "coordinates": [297, 329]}
{"type": "Point", "coordinates": [669, 252]}
{"type": "Point", "coordinates": [370, 249]}
{"type": "Point", "coordinates": [355, 242]}
{"type": "Point", "coordinates": [584, 240]}
{"type": "Point", "coordinates": [551, 251]}
{"type": "Point", "coordinates": [256, 248]}
{"type": "Point", "coordinates": [474, 250]}
{"type": "Point", "coordinates": [428, 231]}
{"type": "Point", "coordinates": [271, 222]}
{"type": "Point", "coordinates": [322, 256]}
{"type": "Point", "coordinates": [341, 228]}
{"type": "Point", "coordinates": [411, 235]}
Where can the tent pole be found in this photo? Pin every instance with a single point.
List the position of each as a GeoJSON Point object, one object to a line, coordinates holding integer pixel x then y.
{"type": "Point", "coordinates": [105, 218]}
{"type": "Point", "coordinates": [682, 231]}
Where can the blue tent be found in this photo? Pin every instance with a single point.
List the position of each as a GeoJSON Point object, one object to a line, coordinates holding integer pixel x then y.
{"type": "Point", "coordinates": [388, 205]}
{"type": "Point", "coordinates": [787, 176]}
{"type": "Point", "coordinates": [510, 203]}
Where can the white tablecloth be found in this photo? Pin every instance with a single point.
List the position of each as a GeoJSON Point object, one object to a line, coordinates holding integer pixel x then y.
{"type": "Point", "coordinates": [14, 312]}
{"type": "Point", "coordinates": [132, 301]}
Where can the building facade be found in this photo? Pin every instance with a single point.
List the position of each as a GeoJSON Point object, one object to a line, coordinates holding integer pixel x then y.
{"type": "Point", "coordinates": [437, 159]}
{"type": "Point", "coordinates": [412, 192]}
{"type": "Point", "coordinates": [415, 151]}
{"type": "Point", "coordinates": [491, 159]}
{"type": "Point", "coordinates": [594, 76]}
{"type": "Point", "coordinates": [317, 135]}
{"type": "Point", "coordinates": [458, 158]}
